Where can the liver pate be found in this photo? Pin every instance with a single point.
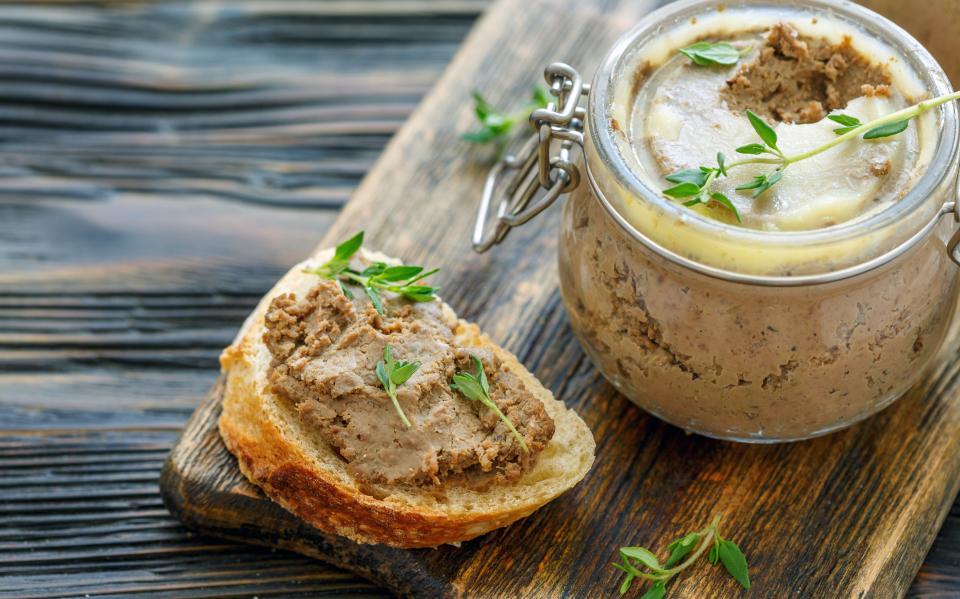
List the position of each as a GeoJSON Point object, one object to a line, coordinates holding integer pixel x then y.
{"type": "Point", "coordinates": [684, 115]}
{"type": "Point", "coordinates": [747, 362]}
{"type": "Point", "coordinates": [324, 350]}
{"type": "Point", "coordinates": [800, 81]}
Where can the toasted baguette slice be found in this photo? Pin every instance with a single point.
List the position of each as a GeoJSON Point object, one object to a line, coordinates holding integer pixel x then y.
{"type": "Point", "coordinates": [301, 472]}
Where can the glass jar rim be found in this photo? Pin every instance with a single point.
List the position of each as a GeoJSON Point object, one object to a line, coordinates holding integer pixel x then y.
{"type": "Point", "coordinates": [922, 62]}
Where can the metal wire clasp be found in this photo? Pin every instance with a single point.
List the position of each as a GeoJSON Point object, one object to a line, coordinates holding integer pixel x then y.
{"type": "Point", "coordinates": [531, 190]}
{"type": "Point", "coordinates": [953, 207]}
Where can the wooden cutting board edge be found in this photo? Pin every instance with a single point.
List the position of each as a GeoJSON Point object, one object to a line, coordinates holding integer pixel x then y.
{"type": "Point", "coordinates": [189, 488]}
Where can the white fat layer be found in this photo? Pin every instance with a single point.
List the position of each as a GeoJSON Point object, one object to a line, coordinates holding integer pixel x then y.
{"type": "Point", "coordinates": [684, 122]}
{"type": "Point", "coordinates": [835, 187]}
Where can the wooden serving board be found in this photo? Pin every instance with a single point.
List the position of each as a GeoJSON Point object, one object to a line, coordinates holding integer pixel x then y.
{"type": "Point", "coordinates": [848, 515]}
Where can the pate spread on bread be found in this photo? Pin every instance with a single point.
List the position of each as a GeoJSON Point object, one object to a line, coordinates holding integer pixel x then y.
{"type": "Point", "coordinates": [311, 424]}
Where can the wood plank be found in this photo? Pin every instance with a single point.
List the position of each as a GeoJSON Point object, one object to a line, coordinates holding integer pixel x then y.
{"type": "Point", "coordinates": [98, 492]}
{"type": "Point", "coordinates": [848, 515]}
{"type": "Point", "coordinates": [150, 186]}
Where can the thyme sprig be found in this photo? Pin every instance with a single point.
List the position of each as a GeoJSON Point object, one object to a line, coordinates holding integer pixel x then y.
{"type": "Point", "coordinates": [496, 125]}
{"type": "Point", "coordinates": [851, 122]}
{"type": "Point", "coordinates": [695, 183]}
{"type": "Point", "coordinates": [475, 387]}
{"type": "Point", "coordinates": [640, 562]}
{"type": "Point", "coordinates": [404, 280]}
{"type": "Point", "coordinates": [767, 151]}
{"type": "Point", "coordinates": [392, 372]}
{"type": "Point", "coordinates": [707, 54]}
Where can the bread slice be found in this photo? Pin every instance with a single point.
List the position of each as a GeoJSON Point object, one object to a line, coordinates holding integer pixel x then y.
{"type": "Point", "coordinates": [301, 472]}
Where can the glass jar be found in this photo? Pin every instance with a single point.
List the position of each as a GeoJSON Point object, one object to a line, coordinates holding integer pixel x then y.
{"type": "Point", "coordinates": [735, 333]}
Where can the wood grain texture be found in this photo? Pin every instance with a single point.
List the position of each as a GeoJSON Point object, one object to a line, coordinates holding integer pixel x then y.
{"type": "Point", "coordinates": [161, 164]}
{"type": "Point", "coordinates": [850, 515]}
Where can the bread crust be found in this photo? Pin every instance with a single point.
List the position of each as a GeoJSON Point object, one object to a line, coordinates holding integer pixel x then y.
{"type": "Point", "coordinates": [271, 458]}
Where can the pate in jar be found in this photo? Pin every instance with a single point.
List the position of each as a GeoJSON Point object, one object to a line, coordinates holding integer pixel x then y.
{"type": "Point", "coordinates": [748, 311]}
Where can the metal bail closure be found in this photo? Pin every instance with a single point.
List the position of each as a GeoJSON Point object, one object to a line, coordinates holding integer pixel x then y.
{"type": "Point", "coordinates": [955, 240]}
{"type": "Point", "coordinates": [529, 191]}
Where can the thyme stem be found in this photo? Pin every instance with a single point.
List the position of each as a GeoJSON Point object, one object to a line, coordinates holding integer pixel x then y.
{"type": "Point", "coordinates": [696, 183]}
{"type": "Point", "coordinates": [707, 540]}
{"type": "Point", "coordinates": [900, 115]}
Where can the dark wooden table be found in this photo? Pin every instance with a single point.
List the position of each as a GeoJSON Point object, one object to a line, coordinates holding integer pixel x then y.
{"type": "Point", "coordinates": [160, 166]}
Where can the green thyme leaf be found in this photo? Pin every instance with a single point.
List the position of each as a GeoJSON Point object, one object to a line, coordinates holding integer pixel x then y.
{"type": "Point", "coordinates": [886, 130]}
{"type": "Point", "coordinates": [711, 53]}
{"type": "Point", "coordinates": [374, 296]}
{"type": "Point", "coordinates": [495, 125]}
{"type": "Point", "coordinates": [753, 183]}
{"type": "Point", "coordinates": [481, 136]}
{"type": "Point", "coordinates": [381, 372]}
{"type": "Point", "coordinates": [476, 388]}
{"type": "Point", "coordinates": [348, 248]}
{"type": "Point", "coordinates": [374, 269]}
{"type": "Point", "coordinates": [725, 202]}
{"type": "Point", "coordinates": [627, 567]}
{"type": "Point", "coordinates": [657, 591]}
{"type": "Point", "coordinates": [481, 107]}
{"type": "Point", "coordinates": [642, 555]}
{"type": "Point", "coordinates": [468, 386]}
{"type": "Point", "coordinates": [541, 97]}
{"type": "Point", "coordinates": [680, 548]}
{"type": "Point", "coordinates": [721, 163]}
{"type": "Point", "coordinates": [752, 149]}
{"type": "Point", "coordinates": [770, 180]}
{"type": "Point", "coordinates": [625, 585]}
{"type": "Point", "coordinates": [498, 123]}
{"type": "Point", "coordinates": [418, 293]}
{"type": "Point", "coordinates": [390, 373]}
{"type": "Point", "coordinates": [844, 119]}
{"type": "Point", "coordinates": [482, 376]}
{"type": "Point", "coordinates": [842, 130]}
{"type": "Point", "coordinates": [688, 175]}
{"type": "Point", "coordinates": [694, 183]}
{"type": "Point", "coordinates": [423, 275]}
{"type": "Point", "coordinates": [683, 190]}
{"type": "Point", "coordinates": [761, 183]}
{"type": "Point", "coordinates": [765, 131]}
{"type": "Point", "coordinates": [735, 562]}
{"type": "Point", "coordinates": [341, 258]}
{"type": "Point", "coordinates": [403, 371]}
{"type": "Point", "coordinates": [713, 557]}
{"type": "Point", "coordinates": [399, 273]}
{"type": "Point", "coordinates": [631, 575]}
{"type": "Point", "coordinates": [849, 122]}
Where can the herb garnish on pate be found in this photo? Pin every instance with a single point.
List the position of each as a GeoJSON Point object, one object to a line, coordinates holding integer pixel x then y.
{"type": "Point", "coordinates": [403, 280]}
{"type": "Point", "coordinates": [695, 184]}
